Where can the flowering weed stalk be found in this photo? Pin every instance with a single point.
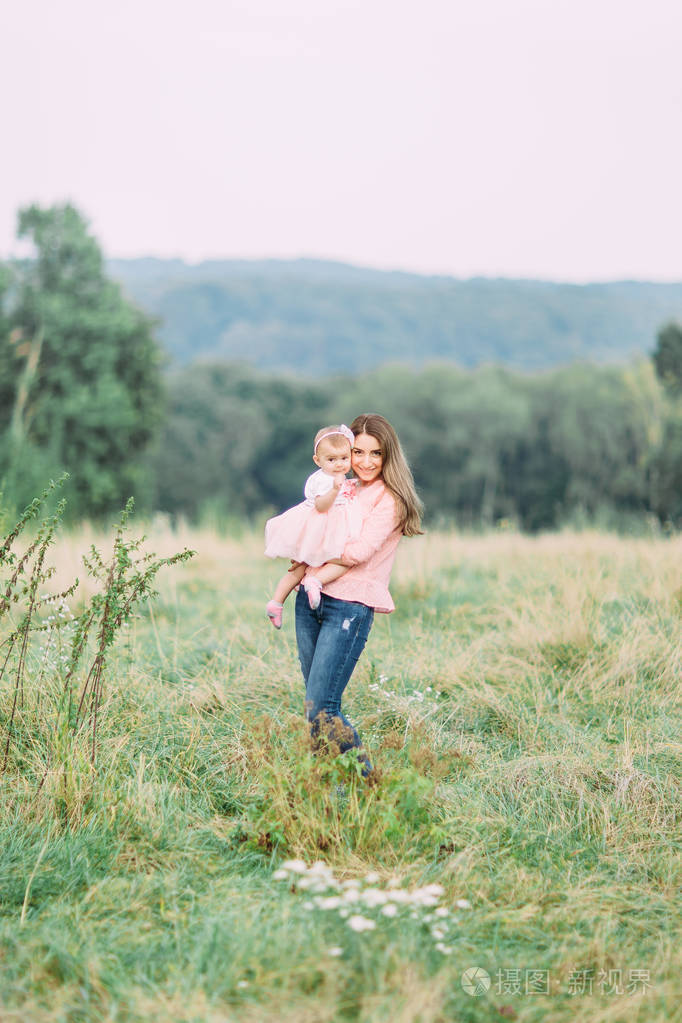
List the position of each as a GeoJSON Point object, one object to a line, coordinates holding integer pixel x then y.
{"type": "Point", "coordinates": [20, 603]}
{"type": "Point", "coordinates": [126, 580]}
{"type": "Point", "coordinates": [59, 651]}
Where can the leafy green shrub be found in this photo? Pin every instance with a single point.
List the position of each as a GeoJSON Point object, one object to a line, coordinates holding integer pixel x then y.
{"type": "Point", "coordinates": [309, 801]}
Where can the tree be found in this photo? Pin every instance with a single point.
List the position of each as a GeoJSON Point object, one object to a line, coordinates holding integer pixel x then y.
{"type": "Point", "coordinates": [668, 357]}
{"type": "Point", "coordinates": [666, 458]}
{"type": "Point", "coordinates": [236, 440]}
{"type": "Point", "coordinates": [666, 469]}
{"type": "Point", "coordinates": [85, 389]}
{"type": "Point", "coordinates": [9, 361]}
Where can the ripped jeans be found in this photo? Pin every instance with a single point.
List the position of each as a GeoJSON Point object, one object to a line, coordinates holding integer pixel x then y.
{"type": "Point", "coordinates": [330, 640]}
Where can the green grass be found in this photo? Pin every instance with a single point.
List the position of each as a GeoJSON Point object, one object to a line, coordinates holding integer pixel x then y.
{"type": "Point", "coordinates": [523, 709]}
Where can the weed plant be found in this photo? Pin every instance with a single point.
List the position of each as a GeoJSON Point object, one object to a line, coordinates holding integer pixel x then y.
{"type": "Point", "coordinates": [522, 706]}
{"type": "Point", "coordinates": [65, 670]}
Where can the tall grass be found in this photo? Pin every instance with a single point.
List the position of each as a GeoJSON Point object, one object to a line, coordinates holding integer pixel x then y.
{"type": "Point", "coordinates": [523, 708]}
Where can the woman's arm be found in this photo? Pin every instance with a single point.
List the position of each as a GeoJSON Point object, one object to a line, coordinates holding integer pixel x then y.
{"type": "Point", "coordinates": [376, 529]}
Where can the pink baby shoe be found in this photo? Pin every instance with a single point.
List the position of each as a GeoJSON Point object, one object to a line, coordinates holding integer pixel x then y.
{"type": "Point", "coordinates": [313, 588]}
{"type": "Point", "coordinates": [274, 613]}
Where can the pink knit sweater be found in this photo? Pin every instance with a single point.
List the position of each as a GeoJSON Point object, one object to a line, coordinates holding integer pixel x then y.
{"type": "Point", "coordinates": [372, 553]}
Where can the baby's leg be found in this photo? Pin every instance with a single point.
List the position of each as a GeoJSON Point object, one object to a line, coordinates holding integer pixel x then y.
{"type": "Point", "coordinates": [282, 590]}
{"type": "Point", "coordinates": [288, 582]}
{"type": "Point", "coordinates": [328, 573]}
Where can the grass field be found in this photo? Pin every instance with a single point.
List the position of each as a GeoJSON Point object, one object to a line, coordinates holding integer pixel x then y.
{"type": "Point", "coordinates": [523, 708]}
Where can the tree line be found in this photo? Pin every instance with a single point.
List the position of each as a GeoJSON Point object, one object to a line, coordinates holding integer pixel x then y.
{"type": "Point", "coordinates": [83, 389]}
{"type": "Point", "coordinates": [485, 445]}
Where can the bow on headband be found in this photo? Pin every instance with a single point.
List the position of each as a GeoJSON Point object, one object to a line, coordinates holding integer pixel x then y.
{"type": "Point", "coordinates": [343, 430]}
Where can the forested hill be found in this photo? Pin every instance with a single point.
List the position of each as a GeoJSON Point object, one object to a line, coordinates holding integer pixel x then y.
{"type": "Point", "coordinates": [316, 317]}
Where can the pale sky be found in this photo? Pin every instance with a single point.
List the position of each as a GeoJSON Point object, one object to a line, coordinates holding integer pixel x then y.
{"type": "Point", "coordinates": [522, 138]}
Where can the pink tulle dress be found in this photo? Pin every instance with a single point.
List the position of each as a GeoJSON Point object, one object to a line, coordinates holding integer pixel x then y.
{"type": "Point", "coordinates": [305, 534]}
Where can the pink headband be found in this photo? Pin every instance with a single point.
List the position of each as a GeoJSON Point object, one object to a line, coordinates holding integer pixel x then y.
{"type": "Point", "coordinates": [343, 430]}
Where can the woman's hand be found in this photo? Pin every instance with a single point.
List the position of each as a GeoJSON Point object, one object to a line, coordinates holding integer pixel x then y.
{"type": "Point", "coordinates": [295, 565]}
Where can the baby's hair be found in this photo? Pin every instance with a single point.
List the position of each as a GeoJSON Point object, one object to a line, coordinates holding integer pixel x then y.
{"type": "Point", "coordinates": [333, 435]}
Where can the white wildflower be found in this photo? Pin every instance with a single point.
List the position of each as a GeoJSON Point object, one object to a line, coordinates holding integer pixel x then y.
{"type": "Point", "coordinates": [424, 900]}
{"type": "Point", "coordinates": [351, 895]}
{"type": "Point", "coordinates": [374, 897]}
{"type": "Point", "coordinates": [445, 949]}
{"type": "Point", "coordinates": [361, 923]}
{"type": "Point", "coordinates": [463, 904]}
{"type": "Point", "coordinates": [438, 933]}
{"type": "Point", "coordinates": [433, 889]}
{"type": "Point", "coordinates": [442, 911]}
{"type": "Point", "coordinates": [295, 866]}
{"type": "Point", "coordinates": [320, 869]}
{"type": "Point", "coordinates": [399, 896]}
{"type": "Point", "coordinates": [335, 950]}
{"type": "Point", "coordinates": [242, 983]}
{"type": "Point", "coordinates": [372, 877]}
{"type": "Point", "coordinates": [330, 902]}
{"type": "Point", "coordinates": [280, 875]}
{"type": "Point", "coordinates": [313, 884]}
{"type": "Point", "coordinates": [428, 895]}
{"type": "Point", "coordinates": [389, 910]}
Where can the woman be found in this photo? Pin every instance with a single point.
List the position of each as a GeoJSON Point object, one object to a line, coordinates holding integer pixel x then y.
{"type": "Point", "coordinates": [331, 637]}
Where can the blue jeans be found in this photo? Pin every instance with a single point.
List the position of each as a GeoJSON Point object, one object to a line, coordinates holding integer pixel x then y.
{"type": "Point", "coordinates": [330, 640]}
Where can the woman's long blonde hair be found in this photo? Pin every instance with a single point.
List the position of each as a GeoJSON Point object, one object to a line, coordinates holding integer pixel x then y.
{"type": "Point", "coordinates": [395, 471]}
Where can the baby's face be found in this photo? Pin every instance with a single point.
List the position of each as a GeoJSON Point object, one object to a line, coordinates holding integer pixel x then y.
{"type": "Point", "coordinates": [334, 459]}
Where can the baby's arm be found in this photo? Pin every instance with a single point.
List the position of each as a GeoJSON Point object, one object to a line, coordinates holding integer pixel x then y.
{"type": "Point", "coordinates": [324, 502]}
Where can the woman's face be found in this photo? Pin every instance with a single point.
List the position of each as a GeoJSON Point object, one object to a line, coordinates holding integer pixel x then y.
{"type": "Point", "coordinates": [367, 458]}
